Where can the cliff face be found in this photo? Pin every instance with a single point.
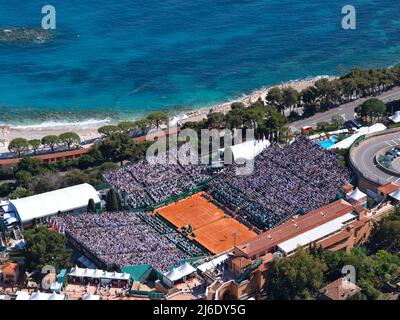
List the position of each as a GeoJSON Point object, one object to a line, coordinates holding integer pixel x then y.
{"type": "Point", "coordinates": [24, 35]}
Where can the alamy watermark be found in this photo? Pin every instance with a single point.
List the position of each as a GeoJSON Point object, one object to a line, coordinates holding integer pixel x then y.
{"type": "Point", "coordinates": [49, 21]}
{"type": "Point", "coordinates": [209, 148]}
{"type": "Point", "coordinates": [349, 21]}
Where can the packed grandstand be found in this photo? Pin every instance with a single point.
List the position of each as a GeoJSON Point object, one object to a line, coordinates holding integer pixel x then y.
{"type": "Point", "coordinates": [155, 180]}
{"type": "Point", "coordinates": [285, 181]}
{"type": "Point", "coordinates": [120, 239]}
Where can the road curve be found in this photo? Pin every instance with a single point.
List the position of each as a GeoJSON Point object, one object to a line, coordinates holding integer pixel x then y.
{"type": "Point", "coordinates": [362, 157]}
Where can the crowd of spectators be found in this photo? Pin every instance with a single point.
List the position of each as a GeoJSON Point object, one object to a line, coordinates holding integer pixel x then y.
{"type": "Point", "coordinates": [159, 178]}
{"type": "Point", "coordinates": [285, 181]}
{"type": "Point", "coordinates": [122, 238]}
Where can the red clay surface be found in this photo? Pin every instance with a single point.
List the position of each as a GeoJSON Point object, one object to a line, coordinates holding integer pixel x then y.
{"type": "Point", "coordinates": [214, 230]}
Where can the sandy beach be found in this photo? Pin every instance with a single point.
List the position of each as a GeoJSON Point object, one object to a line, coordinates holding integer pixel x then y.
{"type": "Point", "coordinates": [88, 132]}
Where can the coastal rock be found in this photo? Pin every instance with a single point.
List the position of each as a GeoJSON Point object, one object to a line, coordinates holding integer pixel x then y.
{"type": "Point", "coordinates": [25, 35]}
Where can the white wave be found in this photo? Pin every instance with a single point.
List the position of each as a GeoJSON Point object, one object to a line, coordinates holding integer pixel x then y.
{"type": "Point", "coordinates": [90, 123]}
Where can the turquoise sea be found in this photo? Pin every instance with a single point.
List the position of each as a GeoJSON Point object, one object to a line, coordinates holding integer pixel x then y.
{"type": "Point", "coordinates": [121, 59]}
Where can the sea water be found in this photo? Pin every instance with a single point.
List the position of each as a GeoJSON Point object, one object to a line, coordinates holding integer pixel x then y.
{"type": "Point", "coordinates": [121, 59]}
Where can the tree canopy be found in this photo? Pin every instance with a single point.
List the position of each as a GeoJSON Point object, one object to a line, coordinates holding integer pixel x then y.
{"type": "Point", "coordinates": [50, 141]}
{"type": "Point", "coordinates": [46, 247]}
{"type": "Point", "coordinates": [296, 277]}
{"type": "Point", "coordinates": [18, 145]}
{"type": "Point", "coordinates": [69, 139]}
{"type": "Point", "coordinates": [158, 118]}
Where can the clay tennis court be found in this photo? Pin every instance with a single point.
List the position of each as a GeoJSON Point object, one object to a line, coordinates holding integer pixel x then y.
{"type": "Point", "coordinates": [214, 230]}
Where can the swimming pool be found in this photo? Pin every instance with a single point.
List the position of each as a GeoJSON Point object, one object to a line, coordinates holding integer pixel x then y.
{"type": "Point", "coordinates": [329, 143]}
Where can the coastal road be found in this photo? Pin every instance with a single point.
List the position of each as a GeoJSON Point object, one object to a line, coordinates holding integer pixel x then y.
{"type": "Point", "coordinates": [363, 157]}
{"type": "Point", "coordinates": [345, 110]}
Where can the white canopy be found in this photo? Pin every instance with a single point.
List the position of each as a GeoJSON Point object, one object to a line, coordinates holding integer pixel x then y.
{"type": "Point", "coordinates": [356, 195]}
{"type": "Point", "coordinates": [22, 296]}
{"type": "Point", "coordinates": [90, 296]}
{"type": "Point", "coordinates": [49, 203]}
{"type": "Point", "coordinates": [180, 272]}
{"type": "Point", "coordinates": [396, 117]}
{"type": "Point", "coordinates": [213, 263]}
{"type": "Point", "coordinates": [248, 150]}
{"type": "Point", "coordinates": [396, 195]}
{"type": "Point", "coordinates": [315, 234]}
{"type": "Point", "coordinates": [348, 142]}
{"type": "Point", "coordinates": [98, 274]}
{"type": "Point", "coordinates": [40, 296]}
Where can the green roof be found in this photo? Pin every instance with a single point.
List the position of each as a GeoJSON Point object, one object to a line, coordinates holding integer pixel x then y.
{"type": "Point", "coordinates": [138, 273]}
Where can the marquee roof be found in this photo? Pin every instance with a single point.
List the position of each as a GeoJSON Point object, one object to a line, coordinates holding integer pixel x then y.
{"type": "Point", "coordinates": [249, 149]}
{"type": "Point", "coordinates": [316, 234]}
{"type": "Point", "coordinates": [98, 274]}
{"type": "Point", "coordinates": [180, 272]}
{"type": "Point", "coordinates": [356, 194]}
{"type": "Point", "coordinates": [396, 117]}
{"type": "Point", "coordinates": [49, 203]}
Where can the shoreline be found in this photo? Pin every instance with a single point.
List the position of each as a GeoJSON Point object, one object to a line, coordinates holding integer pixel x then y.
{"type": "Point", "coordinates": [87, 130]}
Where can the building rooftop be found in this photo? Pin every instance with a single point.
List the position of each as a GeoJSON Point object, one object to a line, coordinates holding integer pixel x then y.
{"type": "Point", "coordinates": [340, 289]}
{"type": "Point", "coordinates": [264, 242]}
{"type": "Point", "coordinates": [10, 267]}
{"type": "Point", "coordinates": [48, 203]}
{"type": "Point", "coordinates": [388, 188]}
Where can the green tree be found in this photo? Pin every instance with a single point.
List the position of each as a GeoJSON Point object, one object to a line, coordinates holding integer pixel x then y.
{"type": "Point", "coordinates": [5, 189]}
{"type": "Point", "coordinates": [387, 236]}
{"type": "Point", "coordinates": [275, 98]}
{"type": "Point", "coordinates": [108, 130]}
{"type": "Point", "coordinates": [143, 125]}
{"type": "Point", "coordinates": [69, 139]}
{"type": "Point", "coordinates": [32, 165]}
{"type": "Point", "coordinates": [372, 109]}
{"type": "Point", "coordinates": [117, 147]}
{"type": "Point", "coordinates": [128, 126]}
{"type": "Point", "coordinates": [20, 192]}
{"type": "Point", "coordinates": [112, 201]}
{"type": "Point", "coordinates": [91, 206]}
{"type": "Point", "coordinates": [50, 141]}
{"type": "Point", "coordinates": [275, 124]}
{"type": "Point", "coordinates": [18, 145]}
{"type": "Point", "coordinates": [323, 126]}
{"type": "Point", "coordinates": [35, 144]}
{"type": "Point", "coordinates": [75, 177]}
{"type": "Point", "coordinates": [296, 277]}
{"type": "Point", "coordinates": [290, 98]}
{"type": "Point", "coordinates": [338, 121]}
{"type": "Point", "coordinates": [46, 247]}
{"type": "Point", "coordinates": [86, 161]}
{"type": "Point", "coordinates": [158, 118]}
{"type": "Point", "coordinates": [23, 178]}
{"type": "Point", "coordinates": [215, 120]}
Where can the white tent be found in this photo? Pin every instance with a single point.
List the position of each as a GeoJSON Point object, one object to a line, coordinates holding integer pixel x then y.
{"type": "Point", "coordinates": [316, 234]}
{"type": "Point", "coordinates": [90, 296]}
{"type": "Point", "coordinates": [50, 203]}
{"type": "Point", "coordinates": [22, 296]}
{"type": "Point", "coordinates": [247, 150]}
{"type": "Point", "coordinates": [356, 195]}
{"type": "Point", "coordinates": [396, 195]}
{"type": "Point", "coordinates": [348, 142]}
{"type": "Point", "coordinates": [40, 296]}
{"type": "Point", "coordinates": [97, 274]}
{"type": "Point", "coordinates": [213, 263]}
{"type": "Point", "coordinates": [396, 117]}
{"type": "Point", "coordinates": [180, 272]}
{"type": "Point", "coordinates": [173, 275]}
